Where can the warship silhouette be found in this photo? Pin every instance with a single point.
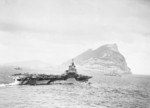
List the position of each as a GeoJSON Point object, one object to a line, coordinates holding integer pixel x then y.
{"type": "Point", "coordinates": [69, 77]}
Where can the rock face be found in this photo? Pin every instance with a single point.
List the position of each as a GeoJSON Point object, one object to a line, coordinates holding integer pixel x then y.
{"type": "Point", "coordinates": [106, 59]}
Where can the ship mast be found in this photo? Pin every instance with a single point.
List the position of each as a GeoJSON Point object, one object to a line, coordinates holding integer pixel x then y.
{"type": "Point", "coordinates": [73, 62]}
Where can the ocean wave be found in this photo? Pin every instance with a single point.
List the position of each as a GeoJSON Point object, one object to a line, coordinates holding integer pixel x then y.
{"type": "Point", "coordinates": [10, 84]}
{"type": "Point", "coordinates": [2, 85]}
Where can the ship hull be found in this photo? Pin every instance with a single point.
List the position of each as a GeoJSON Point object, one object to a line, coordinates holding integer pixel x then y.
{"type": "Point", "coordinates": [48, 82]}
{"type": "Point", "coordinates": [59, 80]}
{"type": "Point", "coordinates": [67, 81]}
{"type": "Point", "coordinates": [43, 82]}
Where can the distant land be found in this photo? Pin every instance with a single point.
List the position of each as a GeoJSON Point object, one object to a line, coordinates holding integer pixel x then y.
{"type": "Point", "coordinates": [105, 59]}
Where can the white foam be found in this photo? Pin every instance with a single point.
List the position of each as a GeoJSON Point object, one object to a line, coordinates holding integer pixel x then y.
{"type": "Point", "coordinates": [95, 85]}
{"type": "Point", "coordinates": [2, 85]}
{"type": "Point", "coordinates": [12, 84]}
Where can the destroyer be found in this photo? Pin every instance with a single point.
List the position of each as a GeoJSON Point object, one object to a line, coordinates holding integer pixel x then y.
{"type": "Point", "coordinates": [70, 76]}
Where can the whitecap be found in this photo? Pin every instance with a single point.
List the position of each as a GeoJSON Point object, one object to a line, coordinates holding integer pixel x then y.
{"type": "Point", "coordinates": [12, 84]}
{"type": "Point", "coordinates": [2, 85]}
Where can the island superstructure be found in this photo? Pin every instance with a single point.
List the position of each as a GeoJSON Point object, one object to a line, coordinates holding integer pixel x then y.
{"type": "Point", "coordinates": [70, 76]}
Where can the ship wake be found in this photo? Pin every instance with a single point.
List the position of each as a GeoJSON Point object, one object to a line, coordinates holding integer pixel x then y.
{"type": "Point", "coordinates": [10, 84]}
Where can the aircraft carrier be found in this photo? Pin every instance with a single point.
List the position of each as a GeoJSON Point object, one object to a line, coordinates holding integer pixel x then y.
{"type": "Point", "coordinates": [69, 77]}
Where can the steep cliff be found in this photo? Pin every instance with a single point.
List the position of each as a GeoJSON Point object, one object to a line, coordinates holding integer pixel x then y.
{"type": "Point", "coordinates": [105, 59]}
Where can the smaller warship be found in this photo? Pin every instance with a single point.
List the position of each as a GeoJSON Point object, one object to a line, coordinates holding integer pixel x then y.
{"type": "Point", "coordinates": [113, 73]}
{"type": "Point", "coordinates": [70, 76]}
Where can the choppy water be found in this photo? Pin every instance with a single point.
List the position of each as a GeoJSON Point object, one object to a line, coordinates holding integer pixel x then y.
{"type": "Point", "coordinates": [107, 93]}
{"type": "Point", "coordinates": [46, 96]}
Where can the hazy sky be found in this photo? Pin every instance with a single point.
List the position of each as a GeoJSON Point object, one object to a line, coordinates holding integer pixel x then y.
{"type": "Point", "coordinates": [57, 30]}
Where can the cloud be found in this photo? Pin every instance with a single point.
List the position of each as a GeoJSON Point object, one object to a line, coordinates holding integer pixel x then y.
{"type": "Point", "coordinates": [12, 27]}
{"type": "Point", "coordinates": [29, 46]}
{"type": "Point", "coordinates": [75, 18]}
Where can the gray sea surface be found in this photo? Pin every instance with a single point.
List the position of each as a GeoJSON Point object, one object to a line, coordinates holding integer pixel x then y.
{"type": "Point", "coordinates": [105, 92]}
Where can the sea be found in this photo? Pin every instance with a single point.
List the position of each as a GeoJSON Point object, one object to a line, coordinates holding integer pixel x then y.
{"type": "Point", "coordinates": [131, 91]}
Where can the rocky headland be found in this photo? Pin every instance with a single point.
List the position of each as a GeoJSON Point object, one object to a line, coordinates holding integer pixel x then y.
{"type": "Point", "coordinates": [105, 59]}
